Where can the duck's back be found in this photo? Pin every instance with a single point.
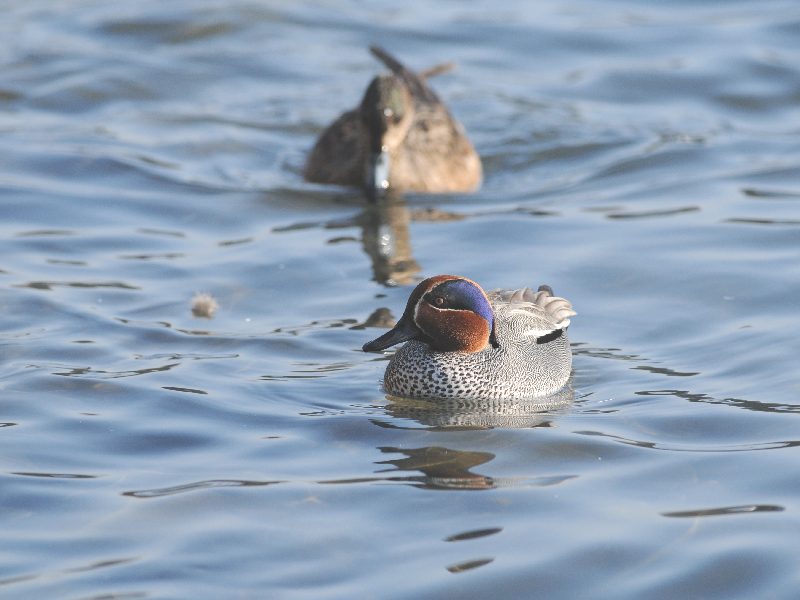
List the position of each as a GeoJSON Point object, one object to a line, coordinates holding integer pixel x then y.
{"type": "Point", "coordinates": [436, 155]}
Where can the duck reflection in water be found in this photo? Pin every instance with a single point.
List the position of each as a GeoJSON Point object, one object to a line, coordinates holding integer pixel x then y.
{"type": "Point", "coordinates": [448, 413]}
{"type": "Point", "coordinates": [448, 469]}
{"type": "Point", "coordinates": [387, 241]}
{"type": "Point", "coordinates": [385, 238]}
{"type": "Point", "coordinates": [401, 137]}
{"type": "Point", "coordinates": [442, 468]}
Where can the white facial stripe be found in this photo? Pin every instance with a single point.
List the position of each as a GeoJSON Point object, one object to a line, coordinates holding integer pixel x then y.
{"type": "Point", "coordinates": [421, 300]}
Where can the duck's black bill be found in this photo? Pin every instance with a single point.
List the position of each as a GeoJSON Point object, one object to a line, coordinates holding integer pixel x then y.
{"type": "Point", "coordinates": [400, 333]}
{"type": "Point", "coordinates": [378, 176]}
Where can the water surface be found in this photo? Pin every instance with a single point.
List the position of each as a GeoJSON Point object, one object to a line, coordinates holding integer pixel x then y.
{"type": "Point", "coordinates": [644, 161]}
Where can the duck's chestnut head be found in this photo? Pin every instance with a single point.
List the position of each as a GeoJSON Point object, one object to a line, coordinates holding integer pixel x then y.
{"type": "Point", "coordinates": [449, 313]}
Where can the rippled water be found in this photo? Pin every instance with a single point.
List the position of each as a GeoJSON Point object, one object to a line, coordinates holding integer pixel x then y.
{"type": "Point", "coordinates": [644, 161]}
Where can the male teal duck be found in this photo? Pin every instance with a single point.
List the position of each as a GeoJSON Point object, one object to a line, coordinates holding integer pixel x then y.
{"type": "Point", "coordinates": [400, 138]}
{"type": "Point", "coordinates": [463, 343]}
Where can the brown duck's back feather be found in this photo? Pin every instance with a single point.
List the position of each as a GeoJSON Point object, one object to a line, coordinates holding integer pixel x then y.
{"type": "Point", "coordinates": [341, 152]}
{"type": "Point", "coordinates": [436, 155]}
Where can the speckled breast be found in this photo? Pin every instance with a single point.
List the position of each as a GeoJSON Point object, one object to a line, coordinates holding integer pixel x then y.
{"type": "Point", "coordinates": [513, 371]}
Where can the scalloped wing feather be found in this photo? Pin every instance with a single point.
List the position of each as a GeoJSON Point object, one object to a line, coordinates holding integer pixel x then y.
{"type": "Point", "coordinates": [532, 313]}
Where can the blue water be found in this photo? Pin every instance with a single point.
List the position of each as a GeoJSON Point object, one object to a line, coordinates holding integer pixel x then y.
{"type": "Point", "coordinates": [643, 160]}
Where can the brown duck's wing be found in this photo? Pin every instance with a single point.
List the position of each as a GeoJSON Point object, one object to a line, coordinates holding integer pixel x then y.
{"type": "Point", "coordinates": [437, 156]}
{"type": "Point", "coordinates": [340, 153]}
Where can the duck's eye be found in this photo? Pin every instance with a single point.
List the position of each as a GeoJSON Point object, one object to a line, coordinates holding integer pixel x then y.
{"type": "Point", "coordinates": [392, 116]}
{"type": "Point", "coordinates": [437, 300]}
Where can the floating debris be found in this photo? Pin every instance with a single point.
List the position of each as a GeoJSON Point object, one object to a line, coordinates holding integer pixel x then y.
{"type": "Point", "coordinates": [204, 305]}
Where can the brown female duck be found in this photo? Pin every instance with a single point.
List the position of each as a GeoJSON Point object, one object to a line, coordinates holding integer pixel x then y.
{"type": "Point", "coordinates": [401, 137]}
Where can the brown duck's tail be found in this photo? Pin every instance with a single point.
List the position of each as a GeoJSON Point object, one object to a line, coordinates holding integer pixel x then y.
{"type": "Point", "coordinates": [416, 84]}
{"type": "Point", "coordinates": [390, 61]}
